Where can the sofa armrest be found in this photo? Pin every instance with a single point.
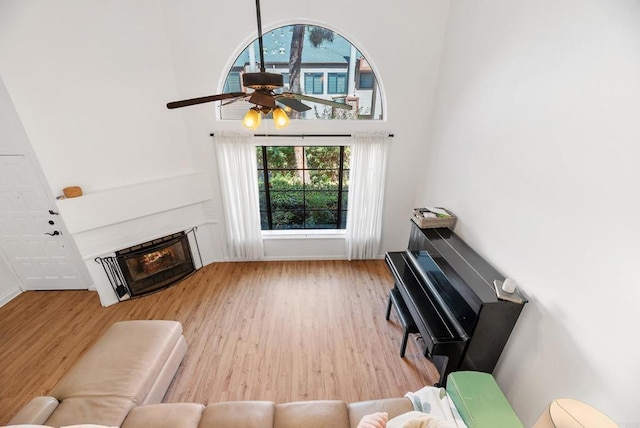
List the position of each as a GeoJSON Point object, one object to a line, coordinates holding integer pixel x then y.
{"type": "Point", "coordinates": [36, 411]}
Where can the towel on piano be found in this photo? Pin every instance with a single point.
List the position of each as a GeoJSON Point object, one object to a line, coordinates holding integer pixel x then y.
{"type": "Point", "coordinates": [437, 403]}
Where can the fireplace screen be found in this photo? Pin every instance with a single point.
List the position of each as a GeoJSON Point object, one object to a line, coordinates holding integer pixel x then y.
{"type": "Point", "coordinates": [156, 264]}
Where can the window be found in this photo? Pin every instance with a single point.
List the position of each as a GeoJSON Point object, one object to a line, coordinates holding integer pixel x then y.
{"type": "Point", "coordinates": [366, 80]}
{"type": "Point", "coordinates": [323, 72]}
{"type": "Point", "coordinates": [313, 83]}
{"type": "Point", "coordinates": [337, 83]}
{"type": "Point", "coordinates": [303, 187]}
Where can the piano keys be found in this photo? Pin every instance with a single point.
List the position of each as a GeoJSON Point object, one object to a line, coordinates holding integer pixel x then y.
{"type": "Point", "coordinates": [448, 289]}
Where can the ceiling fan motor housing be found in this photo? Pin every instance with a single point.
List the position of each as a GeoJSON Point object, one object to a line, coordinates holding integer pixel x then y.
{"type": "Point", "coordinates": [262, 80]}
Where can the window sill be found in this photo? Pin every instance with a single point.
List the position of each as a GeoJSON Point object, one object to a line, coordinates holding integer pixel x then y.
{"type": "Point", "coordinates": [303, 234]}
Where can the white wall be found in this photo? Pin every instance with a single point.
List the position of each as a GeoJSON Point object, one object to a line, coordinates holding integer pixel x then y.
{"type": "Point", "coordinates": [536, 149]}
{"type": "Point", "coordinates": [12, 140]}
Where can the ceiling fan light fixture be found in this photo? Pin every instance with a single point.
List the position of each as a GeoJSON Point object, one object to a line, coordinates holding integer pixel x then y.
{"type": "Point", "coordinates": [280, 118]}
{"type": "Point", "coordinates": [252, 119]}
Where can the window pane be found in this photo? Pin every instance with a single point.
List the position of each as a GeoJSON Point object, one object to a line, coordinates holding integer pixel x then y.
{"type": "Point", "coordinates": [292, 219]}
{"type": "Point", "coordinates": [321, 220]}
{"type": "Point", "coordinates": [323, 179]}
{"type": "Point", "coordinates": [259, 157]}
{"type": "Point", "coordinates": [322, 157]}
{"type": "Point", "coordinates": [287, 200]}
{"type": "Point", "coordinates": [285, 180]}
{"type": "Point", "coordinates": [279, 157]}
{"type": "Point", "coordinates": [320, 200]}
{"type": "Point", "coordinates": [261, 180]}
{"type": "Point", "coordinates": [232, 84]}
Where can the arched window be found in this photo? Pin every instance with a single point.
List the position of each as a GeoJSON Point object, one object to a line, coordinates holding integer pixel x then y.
{"type": "Point", "coordinates": [313, 61]}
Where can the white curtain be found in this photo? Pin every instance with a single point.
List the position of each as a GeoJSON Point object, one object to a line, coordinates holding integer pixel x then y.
{"type": "Point", "coordinates": [237, 166]}
{"type": "Point", "coordinates": [369, 153]}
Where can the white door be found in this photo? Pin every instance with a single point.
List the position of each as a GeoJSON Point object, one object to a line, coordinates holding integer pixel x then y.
{"type": "Point", "coordinates": [33, 238]}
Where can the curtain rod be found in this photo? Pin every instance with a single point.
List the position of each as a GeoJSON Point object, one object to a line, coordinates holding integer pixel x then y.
{"type": "Point", "coordinates": [301, 135]}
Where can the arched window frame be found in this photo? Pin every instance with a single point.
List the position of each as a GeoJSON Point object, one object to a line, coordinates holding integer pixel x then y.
{"type": "Point", "coordinates": [309, 122]}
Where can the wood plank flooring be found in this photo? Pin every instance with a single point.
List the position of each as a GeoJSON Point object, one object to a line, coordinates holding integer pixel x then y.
{"type": "Point", "coordinates": [280, 331]}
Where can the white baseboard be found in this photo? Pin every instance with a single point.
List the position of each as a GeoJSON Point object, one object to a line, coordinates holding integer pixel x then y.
{"type": "Point", "coordinates": [9, 296]}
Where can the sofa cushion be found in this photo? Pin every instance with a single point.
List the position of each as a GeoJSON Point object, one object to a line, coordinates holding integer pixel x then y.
{"type": "Point", "coordinates": [125, 361]}
{"type": "Point", "coordinates": [170, 415]}
{"type": "Point", "coordinates": [100, 410]}
{"type": "Point", "coordinates": [312, 414]}
{"type": "Point", "coordinates": [238, 414]}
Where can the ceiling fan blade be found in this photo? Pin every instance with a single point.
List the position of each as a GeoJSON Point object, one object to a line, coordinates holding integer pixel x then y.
{"type": "Point", "coordinates": [234, 100]}
{"type": "Point", "coordinates": [292, 103]}
{"type": "Point", "coordinates": [322, 101]}
{"type": "Point", "coordinates": [201, 100]}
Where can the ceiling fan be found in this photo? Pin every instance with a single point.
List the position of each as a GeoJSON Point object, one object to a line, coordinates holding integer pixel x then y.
{"type": "Point", "coordinates": [263, 95]}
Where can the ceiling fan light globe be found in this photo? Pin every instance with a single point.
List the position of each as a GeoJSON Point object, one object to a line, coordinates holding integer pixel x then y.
{"type": "Point", "coordinates": [252, 119]}
{"type": "Point", "coordinates": [280, 118]}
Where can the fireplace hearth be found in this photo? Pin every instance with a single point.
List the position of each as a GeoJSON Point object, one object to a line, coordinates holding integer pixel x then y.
{"type": "Point", "coordinates": [151, 266]}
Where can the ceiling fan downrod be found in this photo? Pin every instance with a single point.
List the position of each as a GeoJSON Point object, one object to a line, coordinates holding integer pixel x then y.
{"type": "Point", "coordinates": [260, 46]}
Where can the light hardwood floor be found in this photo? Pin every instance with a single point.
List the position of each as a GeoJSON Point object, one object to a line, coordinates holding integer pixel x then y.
{"type": "Point", "coordinates": [280, 331]}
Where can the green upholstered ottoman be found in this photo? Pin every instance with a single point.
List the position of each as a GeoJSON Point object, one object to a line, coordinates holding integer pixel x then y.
{"type": "Point", "coordinates": [480, 401]}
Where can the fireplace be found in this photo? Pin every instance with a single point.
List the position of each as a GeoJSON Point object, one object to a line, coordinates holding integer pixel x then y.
{"type": "Point", "coordinates": [156, 264]}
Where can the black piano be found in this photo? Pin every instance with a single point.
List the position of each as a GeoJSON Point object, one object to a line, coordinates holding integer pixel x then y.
{"type": "Point", "coordinates": [449, 291]}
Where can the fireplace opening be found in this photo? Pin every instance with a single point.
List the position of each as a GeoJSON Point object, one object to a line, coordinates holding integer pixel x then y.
{"type": "Point", "coordinates": [156, 264]}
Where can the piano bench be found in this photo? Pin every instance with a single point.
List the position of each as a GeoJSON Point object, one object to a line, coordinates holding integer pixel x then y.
{"type": "Point", "coordinates": [406, 320]}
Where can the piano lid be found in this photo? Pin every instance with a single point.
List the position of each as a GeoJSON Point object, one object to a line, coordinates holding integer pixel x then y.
{"type": "Point", "coordinates": [457, 259]}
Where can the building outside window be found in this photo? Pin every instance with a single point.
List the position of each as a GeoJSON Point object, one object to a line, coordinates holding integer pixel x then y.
{"type": "Point", "coordinates": [303, 187]}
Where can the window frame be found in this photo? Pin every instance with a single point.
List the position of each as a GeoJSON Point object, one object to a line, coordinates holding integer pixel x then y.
{"type": "Point", "coordinates": [341, 191]}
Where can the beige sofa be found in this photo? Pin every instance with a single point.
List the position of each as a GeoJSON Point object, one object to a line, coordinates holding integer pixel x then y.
{"type": "Point", "coordinates": [131, 365]}
{"type": "Point", "coordinates": [122, 379]}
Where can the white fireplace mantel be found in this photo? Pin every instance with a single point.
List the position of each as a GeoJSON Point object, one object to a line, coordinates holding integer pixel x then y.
{"type": "Point", "coordinates": [120, 204]}
{"type": "Point", "coordinates": [106, 221]}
